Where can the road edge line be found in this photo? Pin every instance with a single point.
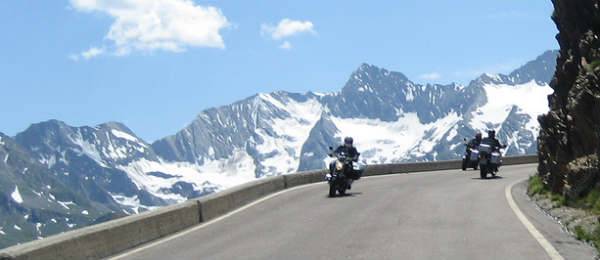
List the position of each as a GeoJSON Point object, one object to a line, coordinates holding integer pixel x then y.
{"type": "Point", "coordinates": [546, 245]}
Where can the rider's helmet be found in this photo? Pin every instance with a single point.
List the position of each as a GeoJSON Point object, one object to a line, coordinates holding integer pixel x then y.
{"type": "Point", "coordinates": [492, 133]}
{"type": "Point", "coordinates": [478, 136]}
{"type": "Point", "coordinates": [348, 141]}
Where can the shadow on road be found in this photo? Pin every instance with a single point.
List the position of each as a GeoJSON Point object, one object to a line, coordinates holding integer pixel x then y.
{"type": "Point", "coordinates": [489, 178]}
{"type": "Point", "coordinates": [347, 195]}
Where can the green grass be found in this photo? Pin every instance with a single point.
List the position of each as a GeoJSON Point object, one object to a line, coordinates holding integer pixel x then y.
{"type": "Point", "coordinates": [558, 199]}
{"type": "Point", "coordinates": [589, 202]}
{"type": "Point", "coordinates": [593, 237]}
{"type": "Point", "coordinates": [592, 65]}
{"type": "Point", "coordinates": [580, 234]}
{"type": "Point", "coordinates": [536, 186]}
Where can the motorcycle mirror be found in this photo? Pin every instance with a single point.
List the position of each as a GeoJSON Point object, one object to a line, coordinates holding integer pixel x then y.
{"type": "Point", "coordinates": [330, 148]}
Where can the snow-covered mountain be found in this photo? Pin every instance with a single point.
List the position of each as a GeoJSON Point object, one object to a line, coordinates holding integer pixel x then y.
{"type": "Point", "coordinates": [34, 202]}
{"type": "Point", "coordinates": [106, 170]}
{"type": "Point", "coordinates": [392, 119]}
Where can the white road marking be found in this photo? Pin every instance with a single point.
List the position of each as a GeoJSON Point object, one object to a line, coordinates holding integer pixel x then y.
{"type": "Point", "coordinates": [548, 247]}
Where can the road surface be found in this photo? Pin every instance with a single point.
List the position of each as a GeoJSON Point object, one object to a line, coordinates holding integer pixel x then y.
{"type": "Point", "coordinates": [431, 215]}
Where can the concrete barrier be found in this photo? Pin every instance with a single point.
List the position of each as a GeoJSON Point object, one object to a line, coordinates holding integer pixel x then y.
{"type": "Point", "coordinates": [110, 238]}
{"type": "Point", "coordinates": [220, 203]}
{"type": "Point", "coordinates": [113, 237]}
{"type": "Point", "coordinates": [383, 169]}
{"type": "Point", "coordinates": [301, 178]}
{"type": "Point", "coordinates": [520, 160]}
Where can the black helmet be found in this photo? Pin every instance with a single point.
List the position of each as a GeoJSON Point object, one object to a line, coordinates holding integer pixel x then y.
{"type": "Point", "coordinates": [348, 140]}
{"type": "Point", "coordinates": [478, 136]}
{"type": "Point", "coordinates": [491, 133]}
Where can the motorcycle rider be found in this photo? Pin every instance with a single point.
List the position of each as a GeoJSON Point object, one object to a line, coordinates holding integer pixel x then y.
{"type": "Point", "coordinates": [474, 143]}
{"type": "Point", "coordinates": [492, 141]}
{"type": "Point", "coordinates": [349, 149]}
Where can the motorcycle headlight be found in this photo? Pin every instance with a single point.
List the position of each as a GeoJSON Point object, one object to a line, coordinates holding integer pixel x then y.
{"type": "Point", "coordinates": [339, 166]}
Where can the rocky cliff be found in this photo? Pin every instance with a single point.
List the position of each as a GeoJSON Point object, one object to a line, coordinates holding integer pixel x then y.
{"type": "Point", "coordinates": [569, 140]}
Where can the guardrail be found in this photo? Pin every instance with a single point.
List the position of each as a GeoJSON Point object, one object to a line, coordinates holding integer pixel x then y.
{"type": "Point", "coordinates": [116, 236]}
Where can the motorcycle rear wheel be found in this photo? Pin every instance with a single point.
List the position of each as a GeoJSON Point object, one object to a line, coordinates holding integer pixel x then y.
{"type": "Point", "coordinates": [483, 172]}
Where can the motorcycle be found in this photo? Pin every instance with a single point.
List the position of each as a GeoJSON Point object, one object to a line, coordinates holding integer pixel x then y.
{"type": "Point", "coordinates": [490, 160]}
{"type": "Point", "coordinates": [471, 157]}
{"type": "Point", "coordinates": [343, 173]}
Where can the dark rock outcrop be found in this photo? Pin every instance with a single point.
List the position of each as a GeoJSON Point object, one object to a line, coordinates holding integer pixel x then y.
{"type": "Point", "coordinates": [569, 140]}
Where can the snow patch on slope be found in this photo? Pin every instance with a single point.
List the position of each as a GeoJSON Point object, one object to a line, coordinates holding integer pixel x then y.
{"type": "Point", "coordinates": [282, 148]}
{"type": "Point", "coordinates": [16, 195]}
{"type": "Point", "coordinates": [123, 135]}
{"type": "Point", "coordinates": [386, 142]}
{"type": "Point", "coordinates": [223, 173]}
{"type": "Point", "coordinates": [435, 133]}
{"type": "Point", "coordinates": [87, 149]}
{"type": "Point", "coordinates": [530, 97]}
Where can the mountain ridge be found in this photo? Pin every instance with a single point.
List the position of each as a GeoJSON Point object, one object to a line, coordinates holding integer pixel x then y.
{"type": "Point", "coordinates": [113, 172]}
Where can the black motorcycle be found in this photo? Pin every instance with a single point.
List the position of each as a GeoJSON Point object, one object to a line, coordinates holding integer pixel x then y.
{"type": "Point", "coordinates": [490, 160]}
{"type": "Point", "coordinates": [341, 174]}
{"type": "Point", "coordinates": [471, 157]}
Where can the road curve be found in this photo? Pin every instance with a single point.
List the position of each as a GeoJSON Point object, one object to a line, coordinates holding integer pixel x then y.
{"type": "Point", "coordinates": [432, 215]}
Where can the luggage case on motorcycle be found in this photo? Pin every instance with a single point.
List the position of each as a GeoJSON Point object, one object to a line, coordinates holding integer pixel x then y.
{"type": "Point", "coordinates": [474, 155]}
{"type": "Point", "coordinates": [485, 148]}
{"type": "Point", "coordinates": [496, 158]}
{"type": "Point", "coordinates": [358, 168]}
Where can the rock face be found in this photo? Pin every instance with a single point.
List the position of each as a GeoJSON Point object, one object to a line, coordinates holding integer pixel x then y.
{"type": "Point", "coordinates": [569, 139]}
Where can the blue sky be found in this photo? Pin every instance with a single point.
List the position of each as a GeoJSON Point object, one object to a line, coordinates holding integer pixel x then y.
{"type": "Point", "coordinates": [203, 54]}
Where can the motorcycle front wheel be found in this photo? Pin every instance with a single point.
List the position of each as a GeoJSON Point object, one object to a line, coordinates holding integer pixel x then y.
{"type": "Point", "coordinates": [464, 164]}
{"type": "Point", "coordinates": [331, 190]}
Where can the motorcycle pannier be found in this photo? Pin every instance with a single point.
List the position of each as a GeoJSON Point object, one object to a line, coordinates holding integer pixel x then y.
{"type": "Point", "coordinates": [485, 148]}
{"type": "Point", "coordinates": [474, 155]}
{"type": "Point", "coordinates": [495, 158]}
{"type": "Point", "coordinates": [358, 169]}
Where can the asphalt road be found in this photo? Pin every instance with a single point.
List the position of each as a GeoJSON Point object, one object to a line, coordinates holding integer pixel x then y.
{"type": "Point", "coordinates": [433, 215]}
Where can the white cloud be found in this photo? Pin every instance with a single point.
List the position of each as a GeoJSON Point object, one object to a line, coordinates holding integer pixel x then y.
{"type": "Point", "coordinates": [91, 53]}
{"type": "Point", "coordinates": [286, 45]}
{"type": "Point", "coordinates": [148, 25]}
{"type": "Point", "coordinates": [287, 28]}
{"type": "Point", "coordinates": [430, 76]}
{"type": "Point", "coordinates": [87, 54]}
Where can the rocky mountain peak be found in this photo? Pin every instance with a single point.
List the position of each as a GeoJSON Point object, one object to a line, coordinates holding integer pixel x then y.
{"type": "Point", "coordinates": [540, 70]}
{"type": "Point", "coordinates": [372, 79]}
